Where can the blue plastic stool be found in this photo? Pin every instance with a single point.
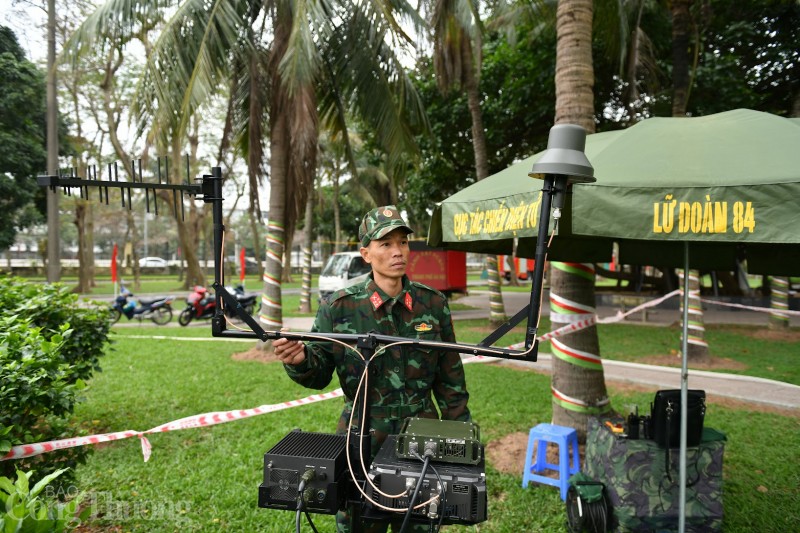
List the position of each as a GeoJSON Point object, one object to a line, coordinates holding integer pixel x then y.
{"type": "Point", "coordinates": [567, 440]}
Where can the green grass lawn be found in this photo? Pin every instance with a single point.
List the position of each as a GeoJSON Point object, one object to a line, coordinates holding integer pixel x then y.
{"type": "Point", "coordinates": [776, 359]}
{"type": "Point", "coordinates": [207, 479]}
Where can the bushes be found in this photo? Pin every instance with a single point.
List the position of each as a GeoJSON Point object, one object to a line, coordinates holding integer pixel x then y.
{"type": "Point", "coordinates": [49, 346]}
{"type": "Point", "coordinates": [26, 509]}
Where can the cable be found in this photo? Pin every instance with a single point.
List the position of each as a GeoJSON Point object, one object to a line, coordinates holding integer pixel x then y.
{"type": "Point", "coordinates": [307, 476]}
{"type": "Point", "coordinates": [442, 498]}
{"type": "Point", "coordinates": [310, 523]}
{"type": "Point", "coordinates": [442, 494]}
{"type": "Point", "coordinates": [425, 464]}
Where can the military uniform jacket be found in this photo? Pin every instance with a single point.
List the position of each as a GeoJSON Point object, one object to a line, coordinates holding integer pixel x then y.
{"type": "Point", "coordinates": [401, 379]}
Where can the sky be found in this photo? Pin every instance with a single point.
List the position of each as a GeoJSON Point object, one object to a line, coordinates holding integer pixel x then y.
{"type": "Point", "coordinates": [28, 21]}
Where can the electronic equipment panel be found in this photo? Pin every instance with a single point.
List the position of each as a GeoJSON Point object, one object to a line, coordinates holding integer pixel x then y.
{"type": "Point", "coordinates": [317, 458]}
{"type": "Point", "coordinates": [447, 441]}
{"type": "Point", "coordinates": [461, 488]}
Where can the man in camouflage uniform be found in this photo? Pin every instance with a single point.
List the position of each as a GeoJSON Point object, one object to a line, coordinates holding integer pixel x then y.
{"type": "Point", "coordinates": [401, 379]}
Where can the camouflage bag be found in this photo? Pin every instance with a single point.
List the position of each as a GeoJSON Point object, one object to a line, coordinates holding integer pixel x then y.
{"type": "Point", "coordinates": [641, 495]}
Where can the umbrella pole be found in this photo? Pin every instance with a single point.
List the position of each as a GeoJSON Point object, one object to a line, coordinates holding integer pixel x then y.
{"type": "Point", "coordinates": [684, 391]}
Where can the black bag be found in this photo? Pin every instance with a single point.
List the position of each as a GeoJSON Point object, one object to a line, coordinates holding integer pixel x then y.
{"type": "Point", "coordinates": [665, 423]}
{"type": "Point", "coordinates": [665, 420]}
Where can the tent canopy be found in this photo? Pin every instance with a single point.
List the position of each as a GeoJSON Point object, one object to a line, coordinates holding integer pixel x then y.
{"type": "Point", "coordinates": [727, 183]}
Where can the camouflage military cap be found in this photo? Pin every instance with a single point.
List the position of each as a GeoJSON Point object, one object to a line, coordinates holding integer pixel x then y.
{"type": "Point", "coordinates": [379, 222]}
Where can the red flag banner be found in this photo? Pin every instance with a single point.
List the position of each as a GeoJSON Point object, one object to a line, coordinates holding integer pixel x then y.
{"type": "Point", "coordinates": [114, 265]}
{"type": "Point", "coordinates": [241, 263]}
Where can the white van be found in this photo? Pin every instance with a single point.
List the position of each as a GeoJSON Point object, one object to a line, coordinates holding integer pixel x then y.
{"type": "Point", "coordinates": [342, 270]}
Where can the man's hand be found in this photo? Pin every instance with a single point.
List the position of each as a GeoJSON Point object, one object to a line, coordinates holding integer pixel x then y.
{"type": "Point", "coordinates": [289, 352]}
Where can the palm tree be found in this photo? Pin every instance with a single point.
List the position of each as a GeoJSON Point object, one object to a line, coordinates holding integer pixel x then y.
{"type": "Point", "coordinates": [578, 382]}
{"type": "Point", "coordinates": [457, 44]}
{"type": "Point", "coordinates": [358, 73]}
{"type": "Point", "coordinates": [320, 60]}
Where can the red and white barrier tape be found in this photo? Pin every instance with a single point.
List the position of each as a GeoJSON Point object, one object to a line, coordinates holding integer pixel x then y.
{"type": "Point", "coordinates": [195, 421]}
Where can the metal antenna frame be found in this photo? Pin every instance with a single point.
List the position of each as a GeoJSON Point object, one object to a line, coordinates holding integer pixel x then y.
{"type": "Point", "coordinates": [209, 190]}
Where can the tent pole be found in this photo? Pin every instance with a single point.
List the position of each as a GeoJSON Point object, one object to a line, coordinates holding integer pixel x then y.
{"type": "Point", "coordinates": [684, 391]}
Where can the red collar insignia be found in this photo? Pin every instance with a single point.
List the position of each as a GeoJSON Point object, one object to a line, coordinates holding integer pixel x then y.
{"type": "Point", "coordinates": [408, 303]}
{"type": "Point", "coordinates": [376, 300]}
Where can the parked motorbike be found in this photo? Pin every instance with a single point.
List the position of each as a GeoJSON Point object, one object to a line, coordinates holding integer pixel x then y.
{"type": "Point", "coordinates": [201, 304]}
{"type": "Point", "coordinates": [159, 310]}
{"type": "Point", "coordinates": [248, 302]}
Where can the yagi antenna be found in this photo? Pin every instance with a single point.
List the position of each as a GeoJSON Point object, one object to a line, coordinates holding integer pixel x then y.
{"type": "Point", "coordinates": [70, 180]}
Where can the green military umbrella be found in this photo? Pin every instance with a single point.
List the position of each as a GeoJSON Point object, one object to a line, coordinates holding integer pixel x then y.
{"type": "Point", "coordinates": [726, 184]}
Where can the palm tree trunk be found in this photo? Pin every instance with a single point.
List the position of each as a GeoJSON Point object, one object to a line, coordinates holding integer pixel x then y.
{"type": "Point", "coordinates": [186, 235]}
{"type": "Point", "coordinates": [681, 20]}
{"type": "Point", "coordinates": [53, 264]}
{"type": "Point", "coordinates": [497, 313]}
{"type": "Point", "coordinates": [697, 351]}
{"type": "Point", "coordinates": [778, 302]}
{"type": "Point", "coordinates": [578, 381]}
{"type": "Point", "coordinates": [254, 228]}
{"type": "Point", "coordinates": [305, 291]}
{"type": "Point", "coordinates": [294, 134]}
{"type": "Point", "coordinates": [271, 301]}
{"type": "Point", "coordinates": [478, 133]}
{"type": "Point", "coordinates": [337, 216]}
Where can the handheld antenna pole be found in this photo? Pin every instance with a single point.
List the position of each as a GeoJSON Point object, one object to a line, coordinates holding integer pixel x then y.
{"type": "Point", "coordinates": [563, 163]}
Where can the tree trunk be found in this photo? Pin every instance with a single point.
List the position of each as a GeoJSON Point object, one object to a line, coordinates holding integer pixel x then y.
{"type": "Point", "coordinates": [132, 238]}
{"type": "Point", "coordinates": [187, 236]}
{"type": "Point", "coordinates": [697, 347]}
{"type": "Point", "coordinates": [779, 302]}
{"type": "Point", "coordinates": [271, 313]}
{"type": "Point", "coordinates": [511, 267]}
{"type": "Point", "coordinates": [89, 263]}
{"type": "Point", "coordinates": [256, 230]}
{"type": "Point", "coordinates": [305, 291]}
{"type": "Point", "coordinates": [53, 263]}
{"type": "Point", "coordinates": [681, 23]}
{"type": "Point", "coordinates": [81, 206]}
{"type": "Point", "coordinates": [287, 260]}
{"type": "Point", "coordinates": [337, 217]}
{"type": "Point", "coordinates": [497, 313]}
{"type": "Point", "coordinates": [578, 381]}
{"type": "Point", "coordinates": [574, 70]}
{"type": "Point", "coordinates": [294, 134]}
